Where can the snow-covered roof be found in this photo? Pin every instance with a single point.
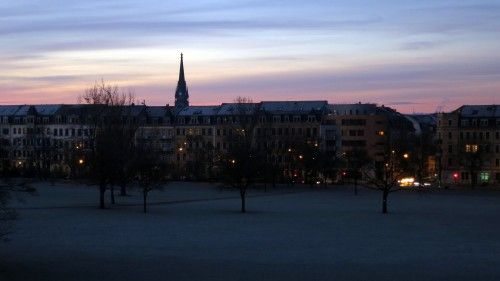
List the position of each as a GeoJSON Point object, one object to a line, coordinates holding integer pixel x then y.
{"type": "Point", "coordinates": [236, 108]}
{"type": "Point", "coordinates": [47, 109]}
{"type": "Point", "coordinates": [480, 111]}
{"type": "Point", "coordinates": [293, 106]}
{"type": "Point", "coordinates": [8, 110]}
{"type": "Point", "coordinates": [199, 110]}
{"type": "Point", "coordinates": [23, 110]}
{"type": "Point", "coordinates": [133, 110]}
{"type": "Point", "coordinates": [353, 109]}
{"type": "Point", "coordinates": [430, 119]}
{"type": "Point", "coordinates": [157, 111]}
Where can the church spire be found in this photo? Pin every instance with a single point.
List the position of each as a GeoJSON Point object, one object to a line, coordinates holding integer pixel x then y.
{"type": "Point", "coordinates": [181, 93]}
{"type": "Point", "coordinates": [181, 70]}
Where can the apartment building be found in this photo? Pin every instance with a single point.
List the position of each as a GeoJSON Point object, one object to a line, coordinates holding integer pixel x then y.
{"type": "Point", "coordinates": [469, 145]}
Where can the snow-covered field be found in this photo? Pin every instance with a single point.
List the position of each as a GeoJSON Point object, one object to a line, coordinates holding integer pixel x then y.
{"type": "Point", "coordinates": [195, 232]}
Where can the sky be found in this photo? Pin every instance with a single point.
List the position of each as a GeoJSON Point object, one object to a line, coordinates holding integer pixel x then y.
{"type": "Point", "coordinates": [415, 56]}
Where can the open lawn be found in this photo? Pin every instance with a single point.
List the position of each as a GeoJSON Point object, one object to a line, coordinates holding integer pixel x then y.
{"type": "Point", "coordinates": [195, 232]}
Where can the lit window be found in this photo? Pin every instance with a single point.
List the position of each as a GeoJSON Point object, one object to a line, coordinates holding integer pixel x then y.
{"type": "Point", "coordinates": [484, 176]}
{"type": "Point", "coordinates": [471, 148]}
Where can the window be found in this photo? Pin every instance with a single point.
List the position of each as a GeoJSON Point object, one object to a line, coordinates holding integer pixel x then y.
{"type": "Point", "coordinates": [483, 122]}
{"type": "Point", "coordinates": [450, 148]}
{"type": "Point", "coordinates": [449, 135]}
{"type": "Point", "coordinates": [471, 148]}
{"type": "Point", "coordinates": [449, 122]}
{"type": "Point", "coordinates": [464, 122]}
{"type": "Point", "coordinates": [484, 176]}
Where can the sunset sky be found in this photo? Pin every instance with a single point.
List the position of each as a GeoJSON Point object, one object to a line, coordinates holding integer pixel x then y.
{"type": "Point", "coordinates": [415, 56]}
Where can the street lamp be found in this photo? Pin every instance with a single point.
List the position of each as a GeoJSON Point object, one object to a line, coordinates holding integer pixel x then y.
{"type": "Point", "coordinates": [80, 161]}
{"type": "Point", "coordinates": [406, 156]}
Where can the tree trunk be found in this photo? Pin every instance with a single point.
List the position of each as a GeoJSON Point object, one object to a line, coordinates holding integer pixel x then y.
{"type": "Point", "coordinates": [102, 190]}
{"type": "Point", "coordinates": [123, 189]}
{"type": "Point", "coordinates": [385, 194]}
{"type": "Point", "coordinates": [145, 197]}
{"type": "Point", "coordinates": [242, 195]}
{"type": "Point", "coordinates": [112, 193]}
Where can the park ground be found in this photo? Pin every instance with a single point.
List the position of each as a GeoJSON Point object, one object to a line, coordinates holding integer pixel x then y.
{"type": "Point", "coordinates": [194, 231]}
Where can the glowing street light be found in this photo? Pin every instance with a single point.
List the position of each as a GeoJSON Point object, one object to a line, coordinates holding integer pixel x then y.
{"type": "Point", "coordinates": [180, 148]}
{"type": "Point", "coordinates": [301, 157]}
{"type": "Point", "coordinates": [233, 161]}
{"type": "Point", "coordinates": [80, 161]}
{"type": "Point", "coordinates": [406, 156]}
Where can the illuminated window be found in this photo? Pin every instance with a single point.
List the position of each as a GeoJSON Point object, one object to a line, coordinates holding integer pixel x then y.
{"type": "Point", "coordinates": [484, 176]}
{"type": "Point", "coordinates": [471, 148]}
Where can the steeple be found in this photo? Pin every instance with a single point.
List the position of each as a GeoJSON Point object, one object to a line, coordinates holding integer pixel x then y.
{"type": "Point", "coordinates": [181, 71]}
{"type": "Point", "coordinates": [181, 93]}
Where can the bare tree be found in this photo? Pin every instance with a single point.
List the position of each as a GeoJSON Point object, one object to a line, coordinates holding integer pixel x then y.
{"type": "Point", "coordinates": [242, 160]}
{"type": "Point", "coordinates": [114, 129]}
{"type": "Point", "coordinates": [148, 167]}
{"type": "Point", "coordinates": [384, 176]}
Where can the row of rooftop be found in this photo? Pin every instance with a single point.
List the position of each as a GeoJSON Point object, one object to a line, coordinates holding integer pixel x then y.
{"type": "Point", "coordinates": [273, 107]}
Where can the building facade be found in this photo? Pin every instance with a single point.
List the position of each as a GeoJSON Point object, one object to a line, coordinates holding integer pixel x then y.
{"type": "Point", "coordinates": [469, 145]}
